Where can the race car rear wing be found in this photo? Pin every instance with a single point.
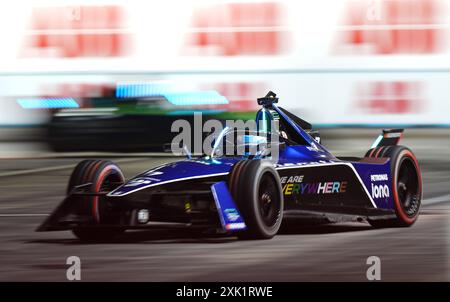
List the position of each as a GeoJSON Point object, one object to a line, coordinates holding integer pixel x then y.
{"type": "Point", "coordinates": [389, 137]}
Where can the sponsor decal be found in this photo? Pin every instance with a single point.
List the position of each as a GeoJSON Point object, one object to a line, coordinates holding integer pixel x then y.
{"type": "Point", "coordinates": [137, 182]}
{"type": "Point", "coordinates": [292, 179]}
{"type": "Point", "coordinates": [379, 177]}
{"type": "Point", "coordinates": [236, 29]}
{"type": "Point", "coordinates": [294, 185]}
{"type": "Point", "coordinates": [232, 214]}
{"type": "Point", "coordinates": [331, 187]}
{"type": "Point", "coordinates": [153, 173]}
{"type": "Point", "coordinates": [380, 191]}
{"type": "Point", "coordinates": [375, 28]}
{"type": "Point", "coordinates": [319, 162]}
{"type": "Point", "coordinates": [78, 31]}
{"type": "Point", "coordinates": [393, 135]}
{"type": "Point", "coordinates": [389, 97]}
{"type": "Point", "coordinates": [236, 226]}
{"type": "Point", "coordinates": [144, 180]}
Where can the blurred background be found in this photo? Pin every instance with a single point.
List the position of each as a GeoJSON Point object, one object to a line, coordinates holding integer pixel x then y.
{"type": "Point", "coordinates": [106, 78]}
{"type": "Point", "coordinates": [76, 75]}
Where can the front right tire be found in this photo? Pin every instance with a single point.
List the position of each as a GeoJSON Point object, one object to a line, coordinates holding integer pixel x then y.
{"type": "Point", "coordinates": [256, 188]}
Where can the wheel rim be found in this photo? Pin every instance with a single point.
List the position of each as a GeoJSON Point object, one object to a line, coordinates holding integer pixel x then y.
{"type": "Point", "coordinates": [408, 187]}
{"type": "Point", "coordinates": [269, 200]}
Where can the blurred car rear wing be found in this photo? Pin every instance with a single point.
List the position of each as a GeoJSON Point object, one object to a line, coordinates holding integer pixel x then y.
{"type": "Point", "coordinates": [389, 137]}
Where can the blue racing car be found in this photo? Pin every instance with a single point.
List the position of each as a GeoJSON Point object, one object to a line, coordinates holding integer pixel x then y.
{"type": "Point", "coordinates": [249, 194]}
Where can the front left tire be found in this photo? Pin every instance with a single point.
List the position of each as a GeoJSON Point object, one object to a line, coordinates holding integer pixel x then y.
{"type": "Point", "coordinates": [102, 176]}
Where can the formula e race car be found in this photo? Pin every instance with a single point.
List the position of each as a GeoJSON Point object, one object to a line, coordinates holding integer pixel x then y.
{"type": "Point", "coordinates": [250, 194]}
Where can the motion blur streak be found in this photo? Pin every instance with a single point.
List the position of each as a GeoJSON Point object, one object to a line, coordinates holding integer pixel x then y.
{"type": "Point", "coordinates": [49, 103]}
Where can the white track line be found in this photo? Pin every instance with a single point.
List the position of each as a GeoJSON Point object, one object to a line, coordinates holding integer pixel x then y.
{"type": "Point", "coordinates": [51, 155]}
{"type": "Point", "coordinates": [437, 199]}
{"type": "Point", "coordinates": [37, 170]}
{"type": "Point", "coordinates": [56, 168]}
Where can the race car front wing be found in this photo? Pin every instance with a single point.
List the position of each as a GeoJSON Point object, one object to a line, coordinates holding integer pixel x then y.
{"type": "Point", "coordinates": [208, 209]}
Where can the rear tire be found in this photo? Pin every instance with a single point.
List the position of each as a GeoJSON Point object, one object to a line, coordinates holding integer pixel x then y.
{"type": "Point", "coordinates": [102, 176]}
{"type": "Point", "coordinates": [406, 186]}
{"type": "Point", "coordinates": [256, 187]}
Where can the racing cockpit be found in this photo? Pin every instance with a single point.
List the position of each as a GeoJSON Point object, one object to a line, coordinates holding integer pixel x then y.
{"type": "Point", "coordinates": [268, 116]}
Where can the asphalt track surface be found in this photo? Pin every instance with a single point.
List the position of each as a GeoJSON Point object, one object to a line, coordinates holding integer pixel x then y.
{"type": "Point", "coordinates": [31, 188]}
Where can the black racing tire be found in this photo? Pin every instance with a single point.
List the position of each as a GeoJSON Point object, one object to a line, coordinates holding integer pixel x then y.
{"type": "Point", "coordinates": [103, 176]}
{"type": "Point", "coordinates": [77, 174]}
{"type": "Point", "coordinates": [256, 188]}
{"type": "Point", "coordinates": [406, 186]}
